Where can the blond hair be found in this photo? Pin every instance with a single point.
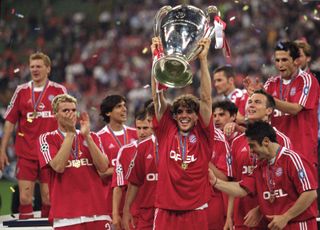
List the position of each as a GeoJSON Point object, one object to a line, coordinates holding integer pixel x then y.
{"type": "Point", "coordinates": [40, 56]}
{"type": "Point", "coordinates": [61, 99]}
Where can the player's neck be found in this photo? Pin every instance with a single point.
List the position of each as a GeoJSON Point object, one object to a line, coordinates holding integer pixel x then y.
{"type": "Point", "coordinates": [274, 152]}
{"type": "Point", "coordinates": [40, 83]}
{"type": "Point", "coordinates": [115, 126]}
{"type": "Point", "coordinates": [230, 91]}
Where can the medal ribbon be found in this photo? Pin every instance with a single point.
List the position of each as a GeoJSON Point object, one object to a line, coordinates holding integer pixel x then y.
{"type": "Point", "coordinates": [36, 103]}
{"type": "Point", "coordinates": [156, 152]}
{"type": "Point", "coordinates": [116, 139]}
{"type": "Point", "coordinates": [75, 151]}
{"type": "Point", "coordinates": [269, 173]}
{"type": "Point", "coordinates": [183, 147]}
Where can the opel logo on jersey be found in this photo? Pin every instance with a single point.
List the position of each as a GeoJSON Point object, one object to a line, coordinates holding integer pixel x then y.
{"type": "Point", "coordinates": [277, 193]}
{"type": "Point", "coordinates": [43, 114]}
{"type": "Point", "coordinates": [82, 161]}
{"type": "Point", "coordinates": [41, 106]}
{"type": "Point", "coordinates": [177, 157]}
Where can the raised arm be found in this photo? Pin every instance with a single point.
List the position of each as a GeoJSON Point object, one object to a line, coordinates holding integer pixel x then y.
{"type": "Point", "coordinates": [160, 104]}
{"type": "Point", "coordinates": [205, 83]}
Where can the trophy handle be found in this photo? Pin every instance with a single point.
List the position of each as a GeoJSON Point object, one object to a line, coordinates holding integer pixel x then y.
{"type": "Point", "coordinates": [157, 20]}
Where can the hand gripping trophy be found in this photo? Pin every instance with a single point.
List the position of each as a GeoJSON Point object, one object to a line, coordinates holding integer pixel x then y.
{"type": "Point", "coordinates": [180, 28]}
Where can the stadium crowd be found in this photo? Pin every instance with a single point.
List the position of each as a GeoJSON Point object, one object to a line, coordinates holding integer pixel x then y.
{"type": "Point", "coordinates": [102, 58]}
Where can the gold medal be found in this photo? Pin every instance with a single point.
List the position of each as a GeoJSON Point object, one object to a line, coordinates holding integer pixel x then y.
{"type": "Point", "coordinates": [76, 163]}
{"type": "Point", "coordinates": [30, 120]}
{"type": "Point", "coordinates": [184, 165]}
{"type": "Point", "coordinates": [34, 114]}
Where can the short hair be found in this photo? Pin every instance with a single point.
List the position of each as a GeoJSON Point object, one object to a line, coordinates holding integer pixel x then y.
{"type": "Point", "coordinates": [188, 101]}
{"type": "Point", "coordinates": [41, 56]}
{"type": "Point", "coordinates": [271, 103]}
{"type": "Point", "coordinates": [288, 46]}
{"type": "Point", "coordinates": [227, 69]}
{"type": "Point", "coordinates": [150, 109]}
{"type": "Point", "coordinates": [258, 130]}
{"type": "Point", "coordinates": [108, 104]}
{"type": "Point", "coordinates": [141, 115]}
{"type": "Point", "coordinates": [226, 105]}
{"type": "Point", "coordinates": [61, 99]}
{"type": "Point", "coordinates": [304, 46]}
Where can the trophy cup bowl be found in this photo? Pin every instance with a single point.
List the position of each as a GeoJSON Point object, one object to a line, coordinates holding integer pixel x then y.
{"type": "Point", "coordinates": [180, 29]}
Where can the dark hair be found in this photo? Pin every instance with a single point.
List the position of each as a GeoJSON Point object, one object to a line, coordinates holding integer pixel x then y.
{"type": "Point", "coordinates": [141, 115]}
{"type": "Point", "coordinates": [227, 69]}
{"type": "Point", "coordinates": [108, 104]}
{"type": "Point", "coordinates": [150, 109]}
{"type": "Point", "coordinates": [187, 101]}
{"type": "Point", "coordinates": [270, 100]}
{"type": "Point", "coordinates": [258, 130]}
{"type": "Point", "coordinates": [289, 46]}
{"type": "Point", "coordinates": [226, 105]}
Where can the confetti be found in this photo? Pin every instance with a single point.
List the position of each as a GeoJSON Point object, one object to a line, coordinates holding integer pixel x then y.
{"type": "Point", "coordinates": [12, 189]}
{"type": "Point", "coordinates": [236, 1]}
{"type": "Point", "coordinates": [37, 28]}
{"type": "Point", "coordinates": [93, 108]}
{"type": "Point", "coordinates": [305, 17]}
{"type": "Point", "coordinates": [146, 86]}
{"type": "Point", "coordinates": [95, 55]}
{"type": "Point", "coordinates": [16, 70]}
{"type": "Point", "coordinates": [19, 15]}
{"type": "Point", "coordinates": [315, 11]}
{"type": "Point", "coordinates": [285, 29]}
{"type": "Point", "coordinates": [145, 50]}
{"type": "Point", "coordinates": [284, 1]}
{"type": "Point", "coordinates": [13, 11]}
{"type": "Point", "coordinates": [232, 18]}
{"type": "Point", "coordinates": [118, 22]}
{"type": "Point", "coordinates": [245, 8]}
{"type": "Point", "coordinates": [316, 18]}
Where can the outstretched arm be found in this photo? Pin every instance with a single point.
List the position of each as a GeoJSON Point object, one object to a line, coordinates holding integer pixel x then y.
{"type": "Point", "coordinates": [205, 83]}
{"type": "Point", "coordinates": [160, 104]}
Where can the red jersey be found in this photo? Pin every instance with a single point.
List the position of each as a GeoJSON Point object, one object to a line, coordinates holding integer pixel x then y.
{"type": "Point", "coordinates": [234, 95]}
{"type": "Point", "coordinates": [30, 125]}
{"type": "Point", "coordinates": [144, 173]}
{"type": "Point", "coordinates": [78, 191]}
{"type": "Point", "coordinates": [279, 185]}
{"type": "Point", "coordinates": [241, 103]}
{"type": "Point", "coordinates": [304, 90]}
{"type": "Point", "coordinates": [243, 164]}
{"type": "Point", "coordinates": [112, 141]}
{"type": "Point", "coordinates": [183, 164]}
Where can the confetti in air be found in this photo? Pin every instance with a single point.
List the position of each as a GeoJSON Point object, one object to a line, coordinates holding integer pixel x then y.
{"type": "Point", "coordinates": [145, 50]}
{"type": "Point", "coordinates": [19, 15]}
{"type": "Point", "coordinates": [232, 18]}
{"type": "Point", "coordinates": [93, 108]}
{"type": "Point", "coordinates": [16, 70]}
{"type": "Point", "coordinates": [305, 17]}
{"type": "Point", "coordinates": [37, 28]}
{"type": "Point", "coordinates": [245, 8]}
{"type": "Point", "coordinates": [146, 86]}
{"type": "Point", "coordinates": [12, 189]}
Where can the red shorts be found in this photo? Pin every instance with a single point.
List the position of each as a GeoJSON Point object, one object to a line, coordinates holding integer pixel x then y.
{"type": "Point", "coordinates": [146, 216]}
{"type": "Point", "coordinates": [309, 224]}
{"type": "Point", "coordinates": [97, 225]}
{"type": "Point", "coordinates": [215, 212]}
{"type": "Point", "coordinates": [186, 220]}
{"type": "Point", "coordinates": [30, 170]}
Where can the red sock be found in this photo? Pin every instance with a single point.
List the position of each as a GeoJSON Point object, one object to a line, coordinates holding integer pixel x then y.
{"type": "Point", "coordinates": [26, 211]}
{"type": "Point", "coordinates": [45, 210]}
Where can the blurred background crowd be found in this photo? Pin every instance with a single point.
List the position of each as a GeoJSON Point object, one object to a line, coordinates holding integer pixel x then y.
{"type": "Point", "coordinates": [101, 47]}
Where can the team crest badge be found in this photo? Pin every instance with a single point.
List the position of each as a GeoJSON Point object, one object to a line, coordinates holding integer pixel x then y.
{"type": "Point", "coordinates": [293, 91]}
{"type": "Point", "coordinates": [229, 160]}
{"type": "Point", "coordinates": [279, 172]}
{"type": "Point", "coordinates": [119, 169]}
{"type": "Point", "coordinates": [192, 139]}
{"type": "Point", "coordinates": [306, 90]}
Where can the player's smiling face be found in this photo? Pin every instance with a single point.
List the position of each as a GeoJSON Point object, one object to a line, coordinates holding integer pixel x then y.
{"type": "Point", "coordinates": [186, 119]}
{"type": "Point", "coordinates": [119, 113]}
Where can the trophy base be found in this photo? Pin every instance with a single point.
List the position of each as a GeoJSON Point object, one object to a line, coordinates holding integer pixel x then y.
{"type": "Point", "coordinates": [173, 72]}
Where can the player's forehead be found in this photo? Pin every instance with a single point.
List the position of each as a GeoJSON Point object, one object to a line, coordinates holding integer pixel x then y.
{"type": "Point", "coordinates": [36, 62]}
{"type": "Point", "coordinates": [220, 111]}
{"type": "Point", "coordinates": [282, 54]}
{"type": "Point", "coordinates": [219, 76]}
{"type": "Point", "coordinates": [66, 105]}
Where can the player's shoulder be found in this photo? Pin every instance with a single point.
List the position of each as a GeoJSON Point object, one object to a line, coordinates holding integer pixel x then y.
{"type": "Point", "coordinates": [103, 131]}
{"type": "Point", "coordinates": [218, 135]}
{"type": "Point", "coordinates": [273, 79]}
{"type": "Point", "coordinates": [23, 86]}
{"type": "Point", "coordinates": [147, 141]}
{"type": "Point", "coordinates": [238, 139]}
{"type": "Point", "coordinates": [58, 86]}
{"type": "Point", "coordinates": [130, 129]}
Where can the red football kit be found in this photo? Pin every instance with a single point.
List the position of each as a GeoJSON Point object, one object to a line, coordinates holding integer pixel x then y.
{"type": "Point", "coordinates": [302, 128]}
{"type": "Point", "coordinates": [183, 184]}
{"type": "Point", "coordinates": [279, 184]}
{"type": "Point", "coordinates": [78, 191]}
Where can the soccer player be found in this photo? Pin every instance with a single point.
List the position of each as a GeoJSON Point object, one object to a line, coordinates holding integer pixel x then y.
{"type": "Point", "coordinates": [223, 78]}
{"type": "Point", "coordinates": [114, 135]}
{"type": "Point", "coordinates": [282, 181]}
{"type": "Point", "coordinates": [124, 167]}
{"type": "Point", "coordinates": [184, 131]}
{"type": "Point", "coordinates": [296, 94]}
{"type": "Point", "coordinates": [30, 108]}
{"type": "Point", "coordinates": [75, 159]}
{"type": "Point", "coordinates": [260, 107]}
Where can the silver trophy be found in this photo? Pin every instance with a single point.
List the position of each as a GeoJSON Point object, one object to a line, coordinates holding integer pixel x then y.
{"type": "Point", "coordinates": [180, 28]}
